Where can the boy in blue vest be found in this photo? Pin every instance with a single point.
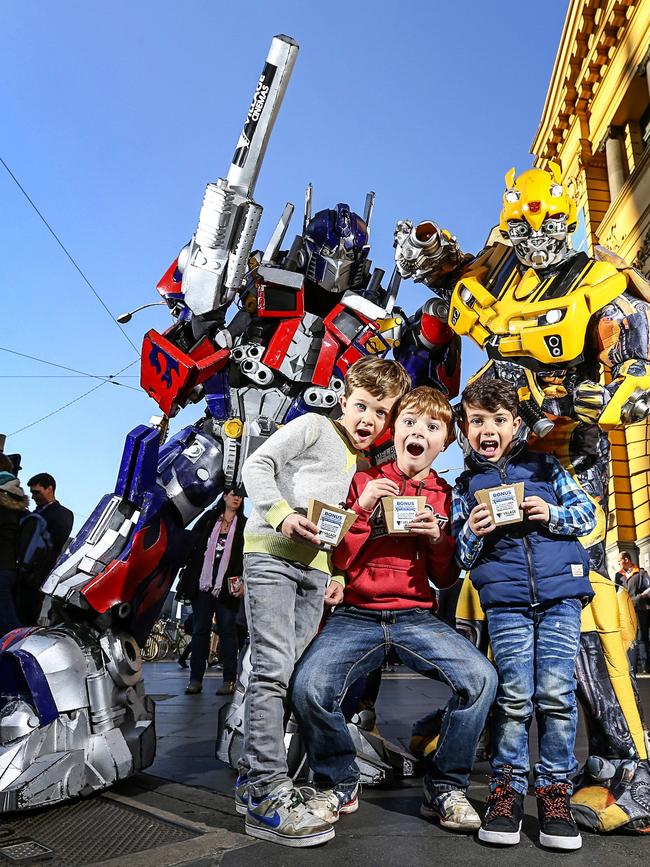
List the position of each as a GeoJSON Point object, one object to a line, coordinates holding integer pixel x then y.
{"type": "Point", "coordinates": [532, 577]}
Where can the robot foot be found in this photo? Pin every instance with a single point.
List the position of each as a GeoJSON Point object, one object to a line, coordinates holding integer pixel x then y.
{"type": "Point", "coordinates": [74, 718]}
{"type": "Point", "coordinates": [613, 795]}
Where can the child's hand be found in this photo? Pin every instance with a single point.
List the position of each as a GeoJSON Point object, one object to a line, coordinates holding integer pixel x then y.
{"type": "Point", "coordinates": [376, 489]}
{"type": "Point", "coordinates": [536, 509]}
{"type": "Point", "coordinates": [480, 520]}
{"type": "Point", "coordinates": [298, 528]}
{"type": "Point", "coordinates": [334, 593]}
{"type": "Point", "coordinates": [426, 524]}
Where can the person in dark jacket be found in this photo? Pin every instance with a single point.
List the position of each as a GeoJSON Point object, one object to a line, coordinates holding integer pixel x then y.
{"type": "Point", "coordinates": [637, 583]}
{"type": "Point", "coordinates": [532, 576]}
{"type": "Point", "coordinates": [211, 581]}
{"type": "Point", "coordinates": [13, 503]}
{"type": "Point", "coordinates": [59, 520]}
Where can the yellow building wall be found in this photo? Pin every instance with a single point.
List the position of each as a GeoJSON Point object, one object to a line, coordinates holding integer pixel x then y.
{"type": "Point", "coordinates": [599, 88]}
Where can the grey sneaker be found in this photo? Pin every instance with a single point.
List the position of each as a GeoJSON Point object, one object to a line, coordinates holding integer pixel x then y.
{"type": "Point", "coordinates": [194, 687]}
{"type": "Point", "coordinates": [283, 817]}
{"type": "Point", "coordinates": [241, 795]}
{"type": "Point", "coordinates": [330, 803]}
{"type": "Point", "coordinates": [452, 810]}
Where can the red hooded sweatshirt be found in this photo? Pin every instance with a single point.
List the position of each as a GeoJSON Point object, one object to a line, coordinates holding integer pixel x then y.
{"type": "Point", "coordinates": [392, 572]}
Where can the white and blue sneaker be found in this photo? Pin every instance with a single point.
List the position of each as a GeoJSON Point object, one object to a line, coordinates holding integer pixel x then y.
{"type": "Point", "coordinates": [283, 817]}
{"type": "Point", "coordinates": [329, 804]}
{"type": "Point", "coordinates": [451, 809]}
{"type": "Point", "coordinates": [241, 795]}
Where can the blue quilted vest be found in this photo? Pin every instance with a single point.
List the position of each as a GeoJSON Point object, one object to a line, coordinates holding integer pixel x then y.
{"type": "Point", "coordinates": [524, 563]}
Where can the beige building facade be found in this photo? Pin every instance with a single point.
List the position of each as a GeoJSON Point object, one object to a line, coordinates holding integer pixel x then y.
{"type": "Point", "coordinates": [596, 124]}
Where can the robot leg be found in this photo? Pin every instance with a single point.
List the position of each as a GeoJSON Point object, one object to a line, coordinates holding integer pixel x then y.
{"type": "Point", "coordinates": [73, 714]}
{"type": "Point", "coordinates": [614, 788]}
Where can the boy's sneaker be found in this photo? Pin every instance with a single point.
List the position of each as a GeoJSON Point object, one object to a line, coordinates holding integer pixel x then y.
{"type": "Point", "coordinates": [505, 810]}
{"type": "Point", "coordinates": [241, 795]}
{"type": "Point", "coordinates": [283, 817]}
{"type": "Point", "coordinates": [328, 804]}
{"type": "Point", "coordinates": [557, 827]}
{"type": "Point", "coordinates": [452, 810]}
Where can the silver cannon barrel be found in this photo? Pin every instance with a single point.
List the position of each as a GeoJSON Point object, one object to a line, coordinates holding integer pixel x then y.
{"type": "Point", "coordinates": [216, 261]}
{"type": "Point", "coordinates": [260, 118]}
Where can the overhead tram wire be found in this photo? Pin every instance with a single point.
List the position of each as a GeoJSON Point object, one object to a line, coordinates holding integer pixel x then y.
{"type": "Point", "coordinates": [68, 254]}
{"type": "Point", "coordinates": [74, 400]}
{"type": "Point", "coordinates": [111, 378]}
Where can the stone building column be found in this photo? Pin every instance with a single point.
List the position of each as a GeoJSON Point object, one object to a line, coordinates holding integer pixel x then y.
{"type": "Point", "coordinates": [615, 156]}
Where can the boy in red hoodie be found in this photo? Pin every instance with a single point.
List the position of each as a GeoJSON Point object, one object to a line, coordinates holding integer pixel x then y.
{"type": "Point", "coordinates": [389, 602]}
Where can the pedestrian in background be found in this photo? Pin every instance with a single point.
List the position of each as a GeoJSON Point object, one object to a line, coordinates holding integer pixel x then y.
{"type": "Point", "coordinates": [59, 520]}
{"type": "Point", "coordinates": [13, 504]}
{"type": "Point", "coordinates": [211, 581]}
{"type": "Point", "coordinates": [637, 583]}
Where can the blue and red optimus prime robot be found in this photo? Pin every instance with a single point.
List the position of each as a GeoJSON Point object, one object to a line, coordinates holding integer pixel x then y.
{"type": "Point", "coordinates": [74, 717]}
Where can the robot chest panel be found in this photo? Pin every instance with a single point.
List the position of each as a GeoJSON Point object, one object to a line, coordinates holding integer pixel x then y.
{"type": "Point", "coordinates": [518, 314]}
{"type": "Point", "coordinates": [294, 347]}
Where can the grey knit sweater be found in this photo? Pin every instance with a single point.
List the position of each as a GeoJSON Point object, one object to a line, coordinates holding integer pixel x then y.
{"type": "Point", "coordinates": [310, 457]}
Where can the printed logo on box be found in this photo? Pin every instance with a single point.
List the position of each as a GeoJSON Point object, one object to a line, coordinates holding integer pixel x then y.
{"type": "Point", "coordinates": [330, 525]}
{"type": "Point", "coordinates": [404, 511]}
{"type": "Point", "coordinates": [503, 502]}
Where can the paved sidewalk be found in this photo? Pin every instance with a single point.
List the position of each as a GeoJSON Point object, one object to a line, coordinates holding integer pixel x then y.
{"type": "Point", "coordinates": [187, 781]}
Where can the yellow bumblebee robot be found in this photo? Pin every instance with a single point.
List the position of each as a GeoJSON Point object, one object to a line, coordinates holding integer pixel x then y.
{"type": "Point", "coordinates": [555, 322]}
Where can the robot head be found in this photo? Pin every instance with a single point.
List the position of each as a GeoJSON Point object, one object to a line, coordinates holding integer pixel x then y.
{"type": "Point", "coordinates": [538, 215]}
{"type": "Point", "coordinates": [335, 249]}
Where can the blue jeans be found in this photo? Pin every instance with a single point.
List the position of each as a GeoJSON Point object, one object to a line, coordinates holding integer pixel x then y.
{"type": "Point", "coordinates": [8, 615]}
{"type": "Point", "coordinates": [284, 605]}
{"type": "Point", "coordinates": [204, 606]}
{"type": "Point", "coordinates": [535, 654]}
{"type": "Point", "coordinates": [353, 643]}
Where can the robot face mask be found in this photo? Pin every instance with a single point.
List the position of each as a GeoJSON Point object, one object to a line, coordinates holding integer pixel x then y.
{"type": "Point", "coordinates": [336, 249]}
{"type": "Point", "coordinates": [537, 216]}
{"type": "Point", "coordinates": [541, 248]}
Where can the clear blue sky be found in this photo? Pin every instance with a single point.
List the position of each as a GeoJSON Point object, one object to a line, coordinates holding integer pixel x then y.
{"type": "Point", "coordinates": [117, 114]}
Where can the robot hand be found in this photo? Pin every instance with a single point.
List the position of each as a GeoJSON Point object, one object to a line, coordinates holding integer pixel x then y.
{"type": "Point", "coordinates": [590, 399]}
{"type": "Point", "coordinates": [424, 252]}
{"type": "Point", "coordinates": [637, 406]}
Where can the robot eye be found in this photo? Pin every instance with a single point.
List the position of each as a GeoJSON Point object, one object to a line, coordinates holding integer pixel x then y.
{"type": "Point", "coordinates": [512, 196]}
{"type": "Point", "coordinates": [557, 190]}
{"type": "Point", "coordinates": [553, 225]}
{"type": "Point", "coordinates": [518, 229]}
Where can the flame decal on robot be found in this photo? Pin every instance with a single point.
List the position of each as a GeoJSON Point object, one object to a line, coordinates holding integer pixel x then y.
{"type": "Point", "coordinates": [171, 365]}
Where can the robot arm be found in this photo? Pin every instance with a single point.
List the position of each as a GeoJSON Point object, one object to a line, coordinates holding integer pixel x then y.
{"type": "Point", "coordinates": [426, 252]}
{"type": "Point", "coordinates": [620, 333]}
{"type": "Point", "coordinates": [430, 350]}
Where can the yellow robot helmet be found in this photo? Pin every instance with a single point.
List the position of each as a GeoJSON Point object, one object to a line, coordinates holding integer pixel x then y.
{"type": "Point", "coordinates": [535, 195]}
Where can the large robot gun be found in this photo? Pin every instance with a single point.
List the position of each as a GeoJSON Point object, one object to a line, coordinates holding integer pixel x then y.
{"type": "Point", "coordinates": [216, 259]}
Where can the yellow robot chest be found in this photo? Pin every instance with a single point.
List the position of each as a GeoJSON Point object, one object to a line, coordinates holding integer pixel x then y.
{"type": "Point", "coordinates": [513, 313]}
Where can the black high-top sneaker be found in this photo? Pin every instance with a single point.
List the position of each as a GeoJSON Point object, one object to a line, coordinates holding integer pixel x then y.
{"type": "Point", "coordinates": [505, 810]}
{"type": "Point", "coordinates": [557, 828]}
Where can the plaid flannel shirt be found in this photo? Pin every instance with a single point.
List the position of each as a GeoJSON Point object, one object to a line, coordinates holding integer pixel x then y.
{"type": "Point", "coordinates": [576, 516]}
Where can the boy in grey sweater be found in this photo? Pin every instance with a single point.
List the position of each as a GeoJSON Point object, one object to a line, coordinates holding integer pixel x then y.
{"type": "Point", "coordinates": [288, 577]}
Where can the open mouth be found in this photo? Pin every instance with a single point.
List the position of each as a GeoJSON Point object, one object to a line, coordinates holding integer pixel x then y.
{"type": "Point", "coordinates": [363, 433]}
{"type": "Point", "coordinates": [489, 447]}
{"type": "Point", "coordinates": [415, 449]}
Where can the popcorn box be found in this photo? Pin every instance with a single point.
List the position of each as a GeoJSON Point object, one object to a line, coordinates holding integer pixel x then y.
{"type": "Point", "coordinates": [504, 502]}
{"type": "Point", "coordinates": [332, 522]}
{"type": "Point", "coordinates": [400, 511]}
